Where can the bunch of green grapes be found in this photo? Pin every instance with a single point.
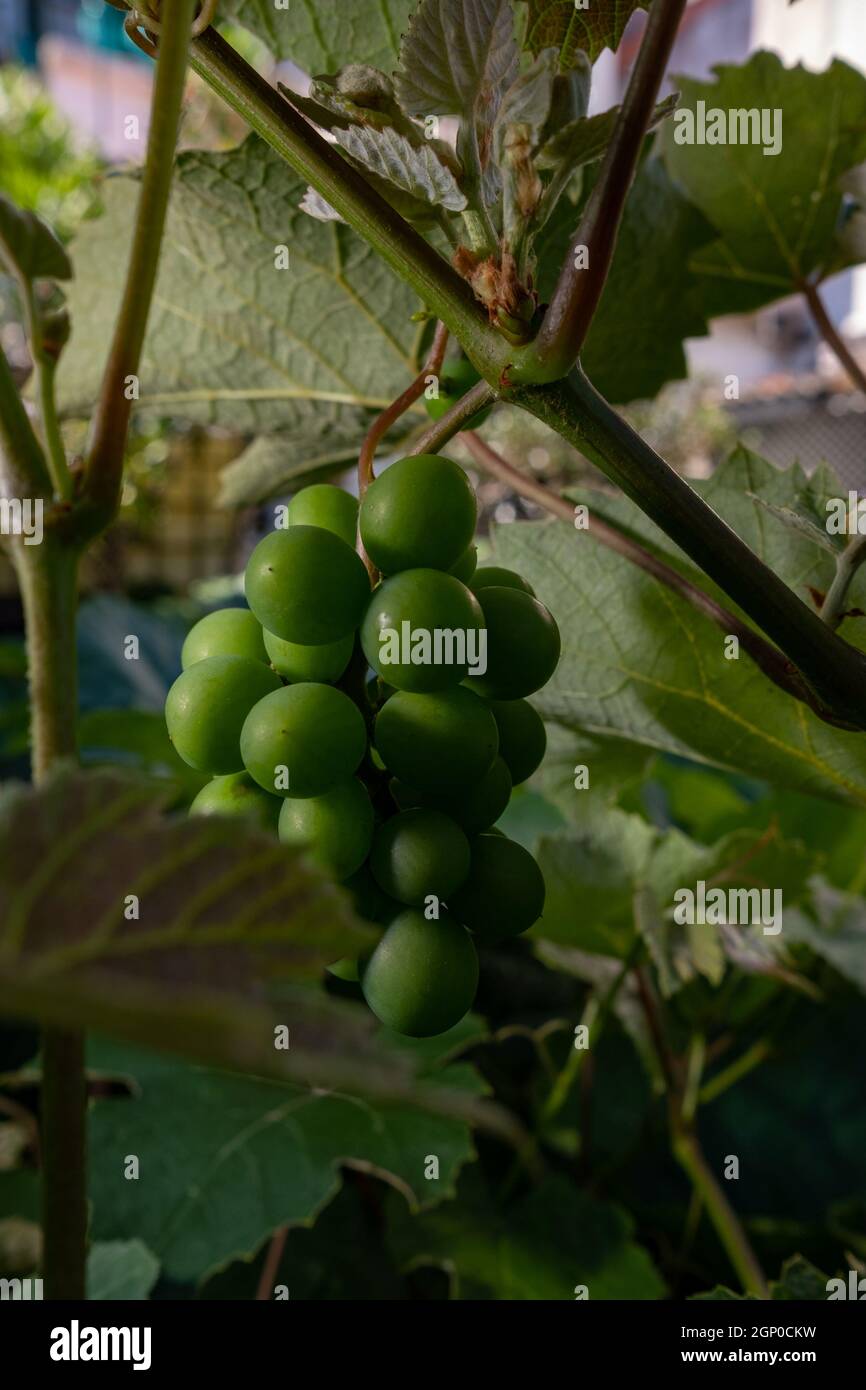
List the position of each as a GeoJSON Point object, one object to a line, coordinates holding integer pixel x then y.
{"type": "Point", "coordinates": [382, 730]}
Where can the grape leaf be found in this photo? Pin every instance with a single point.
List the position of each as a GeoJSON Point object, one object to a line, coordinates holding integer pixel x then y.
{"type": "Point", "coordinates": [833, 925]}
{"type": "Point", "coordinates": [29, 246]}
{"type": "Point", "coordinates": [660, 228]}
{"type": "Point", "coordinates": [221, 910]}
{"type": "Point", "coordinates": [458, 58]}
{"type": "Point", "coordinates": [540, 1248]}
{"type": "Point", "coordinates": [310, 350]}
{"type": "Point", "coordinates": [640, 664]}
{"type": "Point", "coordinates": [414, 170]}
{"type": "Point", "coordinates": [590, 29]}
{"type": "Point", "coordinates": [274, 464]}
{"type": "Point", "coordinates": [225, 1161]}
{"type": "Point", "coordinates": [120, 1269]}
{"type": "Point", "coordinates": [323, 35]}
{"type": "Point", "coordinates": [776, 214]}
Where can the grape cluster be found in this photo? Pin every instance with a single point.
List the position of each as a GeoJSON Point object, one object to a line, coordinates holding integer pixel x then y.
{"type": "Point", "coordinates": [382, 730]}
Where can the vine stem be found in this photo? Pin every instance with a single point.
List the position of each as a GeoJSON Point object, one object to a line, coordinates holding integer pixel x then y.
{"type": "Point", "coordinates": [763, 653]}
{"type": "Point", "coordinates": [831, 335]}
{"type": "Point", "coordinates": [683, 1090]}
{"type": "Point", "coordinates": [271, 1265]}
{"type": "Point", "coordinates": [579, 290]}
{"type": "Point", "coordinates": [103, 469]}
{"type": "Point", "coordinates": [47, 576]}
{"type": "Point", "coordinates": [847, 565]}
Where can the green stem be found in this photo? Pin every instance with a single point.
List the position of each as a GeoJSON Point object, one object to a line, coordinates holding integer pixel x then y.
{"type": "Point", "coordinates": [22, 464]}
{"type": "Point", "coordinates": [835, 671]}
{"type": "Point", "coordinates": [594, 1017]}
{"type": "Point", "coordinates": [55, 453]}
{"type": "Point", "coordinates": [847, 565]}
{"type": "Point", "coordinates": [104, 465]}
{"type": "Point", "coordinates": [47, 575]}
{"type": "Point", "coordinates": [419, 264]}
{"type": "Point", "coordinates": [736, 1070]}
{"type": "Point", "coordinates": [726, 1223]}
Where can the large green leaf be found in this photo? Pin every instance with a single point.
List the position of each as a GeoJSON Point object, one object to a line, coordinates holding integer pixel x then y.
{"type": "Point", "coordinates": [323, 35]}
{"type": "Point", "coordinates": [120, 1269]}
{"type": "Point", "coordinates": [833, 925]}
{"type": "Point", "coordinates": [225, 1160]}
{"type": "Point", "coordinates": [221, 911]}
{"type": "Point", "coordinates": [589, 28]}
{"type": "Point", "coordinates": [540, 1248]}
{"type": "Point", "coordinates": [642, 300]}
{"type": "Point", "coordinates": [640, 664]}
{"type": "Point", "coordinates": [776, 214]}
{"type": "Point", "coordinates": [306, 351]}
{"type": "Point", "coordinates": [799, 1281]}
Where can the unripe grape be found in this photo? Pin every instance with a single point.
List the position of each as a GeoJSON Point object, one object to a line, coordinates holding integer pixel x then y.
{"type": "Point", "coordinates": [336, 827]}
{"type": "Point", "coordinates": [327, 506]}
{"type": "Point", "coordinates": [306, 585]}
{"type": "Point", "coordinates": [475, 808]}
{"type": "Point", "coordinates": [311, 736]}
{"type": "Point", "coordinates": [227, 632]}
{"type": "Point", "coordinates": [422, 977]}
{"type": "Point", "coordinates": [437, 743]}
{"type": "Point", "coordinates": [325, 663]}
{"type": "Point", "coordinates": [419, 514]}
{"type": "Point", "coordinates": [237, 795]}
{"type": "Point", "coordinates": [466, 565]}
{"type": "Point", "coordinates": [522, 737]}
{"type": "Point", "coordinates": [456, 378]}
{"type": "Point", "coordinates": [419, 854]}
{"type": "Point", "coordinates": [497, 577]}
{"type": "Point", "coordinates": [427, 615]}
{"type": "Point", "coordinates": [523, 644]}
{"type": "Point", "coordinates": [206, 708]}
{"type": "Point", "coordinates": [504, 892]}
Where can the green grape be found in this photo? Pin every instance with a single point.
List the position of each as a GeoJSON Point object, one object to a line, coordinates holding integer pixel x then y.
{"type": "Point", "coordinates": [422, 977]}
{"type": "Point", "coordinates": [324, 663]}
{"type": "Point", "coordinates": [420, 514]}
{"type": "Point", "coordinates": [437, 743]}
{"type": "Point", "coordinates": [504, 893]}
{"type": "Point", "coordinates": [327, 506]}
{"type": "Point", "coordinates": [466, 565]}
{"type": "Point", "coordinates": [307, 586]}
{"type": "Point", "coordinates": [419, 854]}
{"type": "Point", "coordinates": [206, 708]}
{"type": "Point", "coordinates": [522, 737]}
{"type": "Point", "coordinates": [228, 632]}
{"type": "Point", "coordinates": [455, 379]}
{"type": "Point", "coordinates": [303, 739]}
{"type": "Point", "coordinates": [475, 808]}
{"type": "Point", "coordinates": [497, 577]}
{"type": "Point", "coordinates": [237, 795]}
{"type": "Point", "coordinates": [420, 631]}
{"type": "Point", "coordinates": [336, 827]}
{"type": "Point", "coordinates": [523, 645]}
